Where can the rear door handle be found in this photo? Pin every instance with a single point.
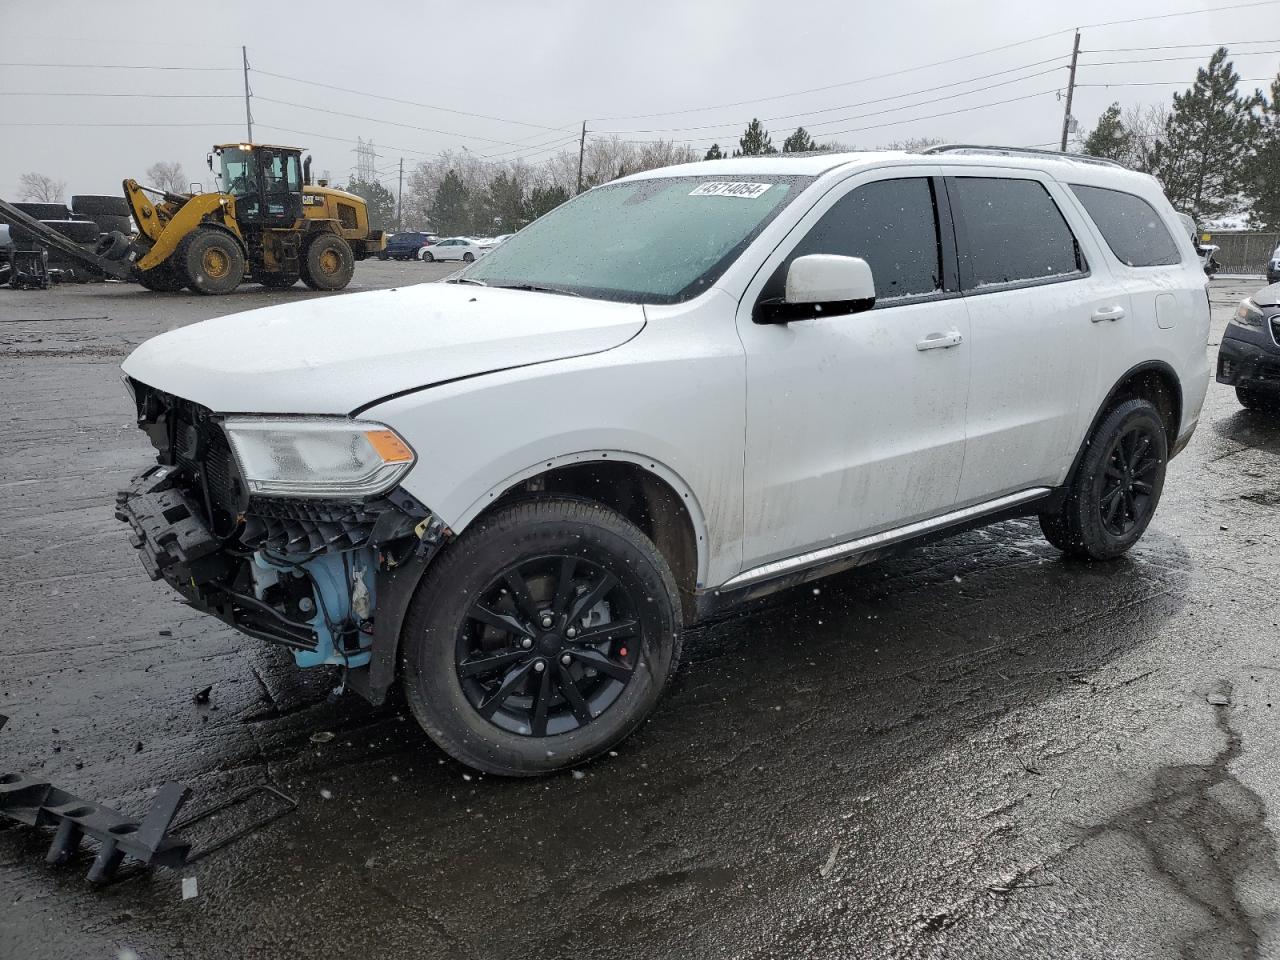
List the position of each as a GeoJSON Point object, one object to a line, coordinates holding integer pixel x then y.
{"type": "Point", "coordinates": [1107, 313]}
{"type": "Point", "coordinates": [939, 341]}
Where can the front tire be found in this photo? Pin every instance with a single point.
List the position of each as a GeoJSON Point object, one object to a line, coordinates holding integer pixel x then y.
{"type": "Point", "coordinates": [1116, 488]}
{"type": "Point", "coordinates": [541, 638]}
{"type": "Point", "coordinates": [469, 257]}
{"type": "Point", "coordinates": [210, 262]}
{"type": "Point", "coordinates": [327, 263]}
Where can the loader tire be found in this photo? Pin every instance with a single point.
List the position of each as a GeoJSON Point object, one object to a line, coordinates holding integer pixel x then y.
{"type": "Point", "coordinates": [328, 263]}
{"type": "Point", "coordinates": [210, 262]}
{"type": "Point", "coordinates": [93, 206]}
{"type": "Point", "coordinates": [44, 211]}
{"type": "Point", "coordinates": [161, 279]}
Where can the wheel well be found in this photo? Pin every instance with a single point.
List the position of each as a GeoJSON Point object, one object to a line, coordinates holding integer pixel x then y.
{"type": "Point", "coordinates": [642, 497]}
{"type": "Point", "coordinates": [1158, 384]}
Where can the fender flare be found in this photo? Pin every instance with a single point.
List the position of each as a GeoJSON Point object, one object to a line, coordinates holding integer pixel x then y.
{"type": "Point", "coordinates": [396, 588]}
{"type": "Point", "coordinates": [1156, 366]}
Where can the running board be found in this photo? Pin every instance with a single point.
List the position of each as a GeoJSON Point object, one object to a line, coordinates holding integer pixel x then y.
{"type": "Point", "coordinates": [853, 549]}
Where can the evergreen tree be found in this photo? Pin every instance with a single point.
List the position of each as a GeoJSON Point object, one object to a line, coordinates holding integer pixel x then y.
{"type": "Point", "coordinates": [714, 153]}
{"type": "Point", "coordinates": [1263, 174]}
{"type": "Point", "coordinates": [380, 200]}
{"type": "Point", "coordinates": [506, 202]}
{"type": "Point", "coordinates": [799, 142]}
{"type": "Point", "coordinates": [450, 208]}
{"type": "Point", "coordinates": [1208, 143]}
{"type": "Point", "coordinates": [755, 141]}
{"type": "Point", "coordinates": [543, 200]}
{"type": "Point", "coordinates": [1110, 139]}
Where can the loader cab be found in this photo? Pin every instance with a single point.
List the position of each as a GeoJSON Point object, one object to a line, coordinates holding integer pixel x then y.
{"type": "Point", "coordinates": [266, 182]}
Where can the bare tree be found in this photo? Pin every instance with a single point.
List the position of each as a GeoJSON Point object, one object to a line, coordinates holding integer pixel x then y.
{"type": "Point", "coordinates": [168, 175]}
{"type": "Point", "coordinates": [42, 188]}
{"type": "Point", "coordinates": [1145, 125]}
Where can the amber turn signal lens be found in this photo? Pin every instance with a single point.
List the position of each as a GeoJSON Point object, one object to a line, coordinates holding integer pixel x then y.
{"type": "Point", "coordinates": [388, 446]}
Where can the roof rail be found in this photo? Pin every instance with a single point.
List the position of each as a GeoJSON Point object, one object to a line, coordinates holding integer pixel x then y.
{"type": "Point", "coordinates": [1033, 151]}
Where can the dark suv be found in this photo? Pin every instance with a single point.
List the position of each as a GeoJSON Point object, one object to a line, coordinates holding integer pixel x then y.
{"type": "Point", "coordinates": [1249, 357]}
{"type": "Point", "coordinates": [405, 246]}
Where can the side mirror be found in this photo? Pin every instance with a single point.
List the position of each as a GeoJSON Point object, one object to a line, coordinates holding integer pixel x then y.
{"type": "Point", "coordinates": [208, 158]}
{"type": "Point", "coordinates": [821, 285]}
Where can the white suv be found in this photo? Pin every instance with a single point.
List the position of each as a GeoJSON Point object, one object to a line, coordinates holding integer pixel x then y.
{"type": "Point", "coordinates": [680, 390]}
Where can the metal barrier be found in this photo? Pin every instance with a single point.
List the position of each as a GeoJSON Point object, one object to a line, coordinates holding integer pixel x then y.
{"type": "Point", "coordinates": [1245, 252]}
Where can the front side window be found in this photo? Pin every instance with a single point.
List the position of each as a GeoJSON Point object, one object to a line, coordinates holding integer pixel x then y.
{"type": "Point", "coordinates": [1132, 229]}
{"type": "Point", "coordinates": [893, 225]}
{"type": "Point", "coordinates": [237, 172]}
{"type": "Point", "coordinates": [661, 240]}
{"type": "Point", "coordinates": [1010, 231]}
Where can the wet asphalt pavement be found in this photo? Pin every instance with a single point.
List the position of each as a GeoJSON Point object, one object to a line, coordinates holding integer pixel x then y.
{"type": "Point", "coordinates": [975, 749]}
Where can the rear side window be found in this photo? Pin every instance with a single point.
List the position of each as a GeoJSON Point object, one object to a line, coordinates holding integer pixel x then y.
{"type": "Point", "coordinates": [1010, 231]}
{"type": "Point", "coordinates": [1130, 226]}
{"type": "Point", "coordinates": [892, 225]}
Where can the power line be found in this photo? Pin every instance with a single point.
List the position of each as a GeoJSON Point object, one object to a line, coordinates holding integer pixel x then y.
{"type": "Point", "coordinates": [390, 123]}
{"type": "Point", "coordinates": [1165, 83]}
{"type": "Point", "coordinates": [146, 96]}
{"type": "Point", "coordinates": [124, 124]}
{"type": "Point", "coordinates": [408, 103]}
{"type": "Point", "coordinates": [1179, 46]}
{"type": "Point", "coordinates": [935, 63]}
{"type": "Point", "coordinates": [116, 66]}
{"type": "Point", "coordinates": [904, 106]}
{"type": "Point", "coordinates": [1118, 63]}
{"type": "Point", "coordinates": [324, 136]}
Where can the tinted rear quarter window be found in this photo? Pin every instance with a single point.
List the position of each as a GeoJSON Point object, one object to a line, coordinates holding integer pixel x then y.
{"type": "Point", "coordinates": [1131, 227]}
{"type": "Point", "coordinates": [1010, 231]}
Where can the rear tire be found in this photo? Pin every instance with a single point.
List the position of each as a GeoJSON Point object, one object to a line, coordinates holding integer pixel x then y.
{"type": "Point", "coordinates": [469, 257]}
{"type": "Point", "coordinates": [1115, 490]}
{"type": "Point", "coordinates": [428, 257]}
{"type": "Point", "coordinates": [1258, 400]}
{"type": "Point", "coordinates": [578, 583]}
{"type": "Point", "coordinates": [327, 263]}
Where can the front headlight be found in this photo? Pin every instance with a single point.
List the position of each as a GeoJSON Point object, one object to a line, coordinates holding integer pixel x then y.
{"type": "Point", "coordinates": [1248, 314]}
{"type": "Point", "coordinates": [317, 456]}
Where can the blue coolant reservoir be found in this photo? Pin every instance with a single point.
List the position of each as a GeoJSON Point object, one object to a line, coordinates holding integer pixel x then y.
{"type": "Point", "coordinates": [340, 582]}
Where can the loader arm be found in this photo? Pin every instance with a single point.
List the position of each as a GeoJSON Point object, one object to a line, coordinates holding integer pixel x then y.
{"type": "Point", "coordinates": [169, 233]}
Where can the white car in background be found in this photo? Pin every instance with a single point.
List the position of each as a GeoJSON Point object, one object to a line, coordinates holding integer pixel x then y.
{"type": "Point", "coordinates": [454, 248]}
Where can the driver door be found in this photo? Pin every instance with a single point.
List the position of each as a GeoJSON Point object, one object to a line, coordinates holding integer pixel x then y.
{"type": "Point", "coordinates": [856, 424]}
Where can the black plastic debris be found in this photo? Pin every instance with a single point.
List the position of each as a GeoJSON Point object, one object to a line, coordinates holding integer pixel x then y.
{"type": "Point", "coordinates": [152, 841]}
{"type": "Point", "coordinates": [38, 803]}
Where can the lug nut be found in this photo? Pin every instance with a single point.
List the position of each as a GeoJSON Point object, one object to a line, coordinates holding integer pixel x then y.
{"type": "Point", "coordinates": [546, 619]}
{"type": "Point", "coordinates": [539, 666]}
{"type": "Point", "coordinates": [571, 632]}
{"type": "Point", "coordinates": [526, 643]}
{"type": "Point", "coordinates": [566, 659]}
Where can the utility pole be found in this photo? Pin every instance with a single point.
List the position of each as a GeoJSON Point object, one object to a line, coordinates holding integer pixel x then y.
{"type": "Point", "coordinates": [248, 113]}
{"type": "Point", "coordinates": [1071, 89]}
{"type": "Point", "coordinates": [400, 199]}
{"type": "Point", "coordinates": [582, 149]}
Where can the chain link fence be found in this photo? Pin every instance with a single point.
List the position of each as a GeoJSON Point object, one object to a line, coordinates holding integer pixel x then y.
{"type": "Point", "coordinates": [1245, 252]}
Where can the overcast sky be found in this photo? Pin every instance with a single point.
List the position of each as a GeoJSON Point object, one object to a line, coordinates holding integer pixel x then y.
{"type": "Point", "coordinates": [552, 64]}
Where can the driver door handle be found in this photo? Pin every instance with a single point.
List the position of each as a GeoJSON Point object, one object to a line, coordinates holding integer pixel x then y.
{"type": "Point", "coordinates": [1107, 313]}
{"type": "Point", "coordinates": [940, 341]}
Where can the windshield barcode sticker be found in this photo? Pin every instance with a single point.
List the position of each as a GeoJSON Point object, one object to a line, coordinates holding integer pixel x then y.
{"type": "Point", "coordinates": [747, 191]}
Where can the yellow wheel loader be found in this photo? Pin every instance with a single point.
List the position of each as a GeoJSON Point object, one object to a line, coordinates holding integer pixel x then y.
{"type": "Point", "coordinates": [267, 224]}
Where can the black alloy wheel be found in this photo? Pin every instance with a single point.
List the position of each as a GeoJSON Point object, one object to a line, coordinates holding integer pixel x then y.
{"type": "Point", "coordinates": [1128, 480]}
{"type": "Point", "coordinates": [549, 646]}
{"type": "Point", "coordinates": [1112, 493]}
{"type": "Point", "coordinates": [541, 637]}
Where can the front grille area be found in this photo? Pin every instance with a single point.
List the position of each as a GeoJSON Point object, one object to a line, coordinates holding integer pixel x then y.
{"type": "Point", "coordinates": [1275, 329]}
{"type": "Point", "coordinates": [308, 526]}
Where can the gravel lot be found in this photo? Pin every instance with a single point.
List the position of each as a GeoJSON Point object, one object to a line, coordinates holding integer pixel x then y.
{"type": "Point", "coordinates": [973, 750]}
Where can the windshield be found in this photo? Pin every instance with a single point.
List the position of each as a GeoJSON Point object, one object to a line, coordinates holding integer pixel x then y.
{"type": "Point", "coordinates": [645, 241]}
{"type": "Point", "coordinates": [237, 172]}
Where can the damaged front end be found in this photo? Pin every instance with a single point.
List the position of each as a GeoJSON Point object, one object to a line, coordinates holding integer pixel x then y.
{"type": "Point", "coordinates": [291, 530]}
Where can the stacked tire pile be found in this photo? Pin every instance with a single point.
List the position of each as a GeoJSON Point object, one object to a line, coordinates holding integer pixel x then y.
{"type": "Point", "coordinates": [91, 221]}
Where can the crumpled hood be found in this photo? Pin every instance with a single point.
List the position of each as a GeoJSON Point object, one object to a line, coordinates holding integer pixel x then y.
{"type": "Point", "coordinates": [335, 354]}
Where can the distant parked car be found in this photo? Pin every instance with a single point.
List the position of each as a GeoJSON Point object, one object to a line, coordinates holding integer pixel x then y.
{"type": "Point", "coordinates": [405, 246]}
{"type": "Point", "coordinates": [1273, 267]}
{"type": "Point", "coordinates": [455, 248]}
{"type": "Point", "coordinates": [1204, 249]}
{"type": "Point", "coordinates": [1249, 354]}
